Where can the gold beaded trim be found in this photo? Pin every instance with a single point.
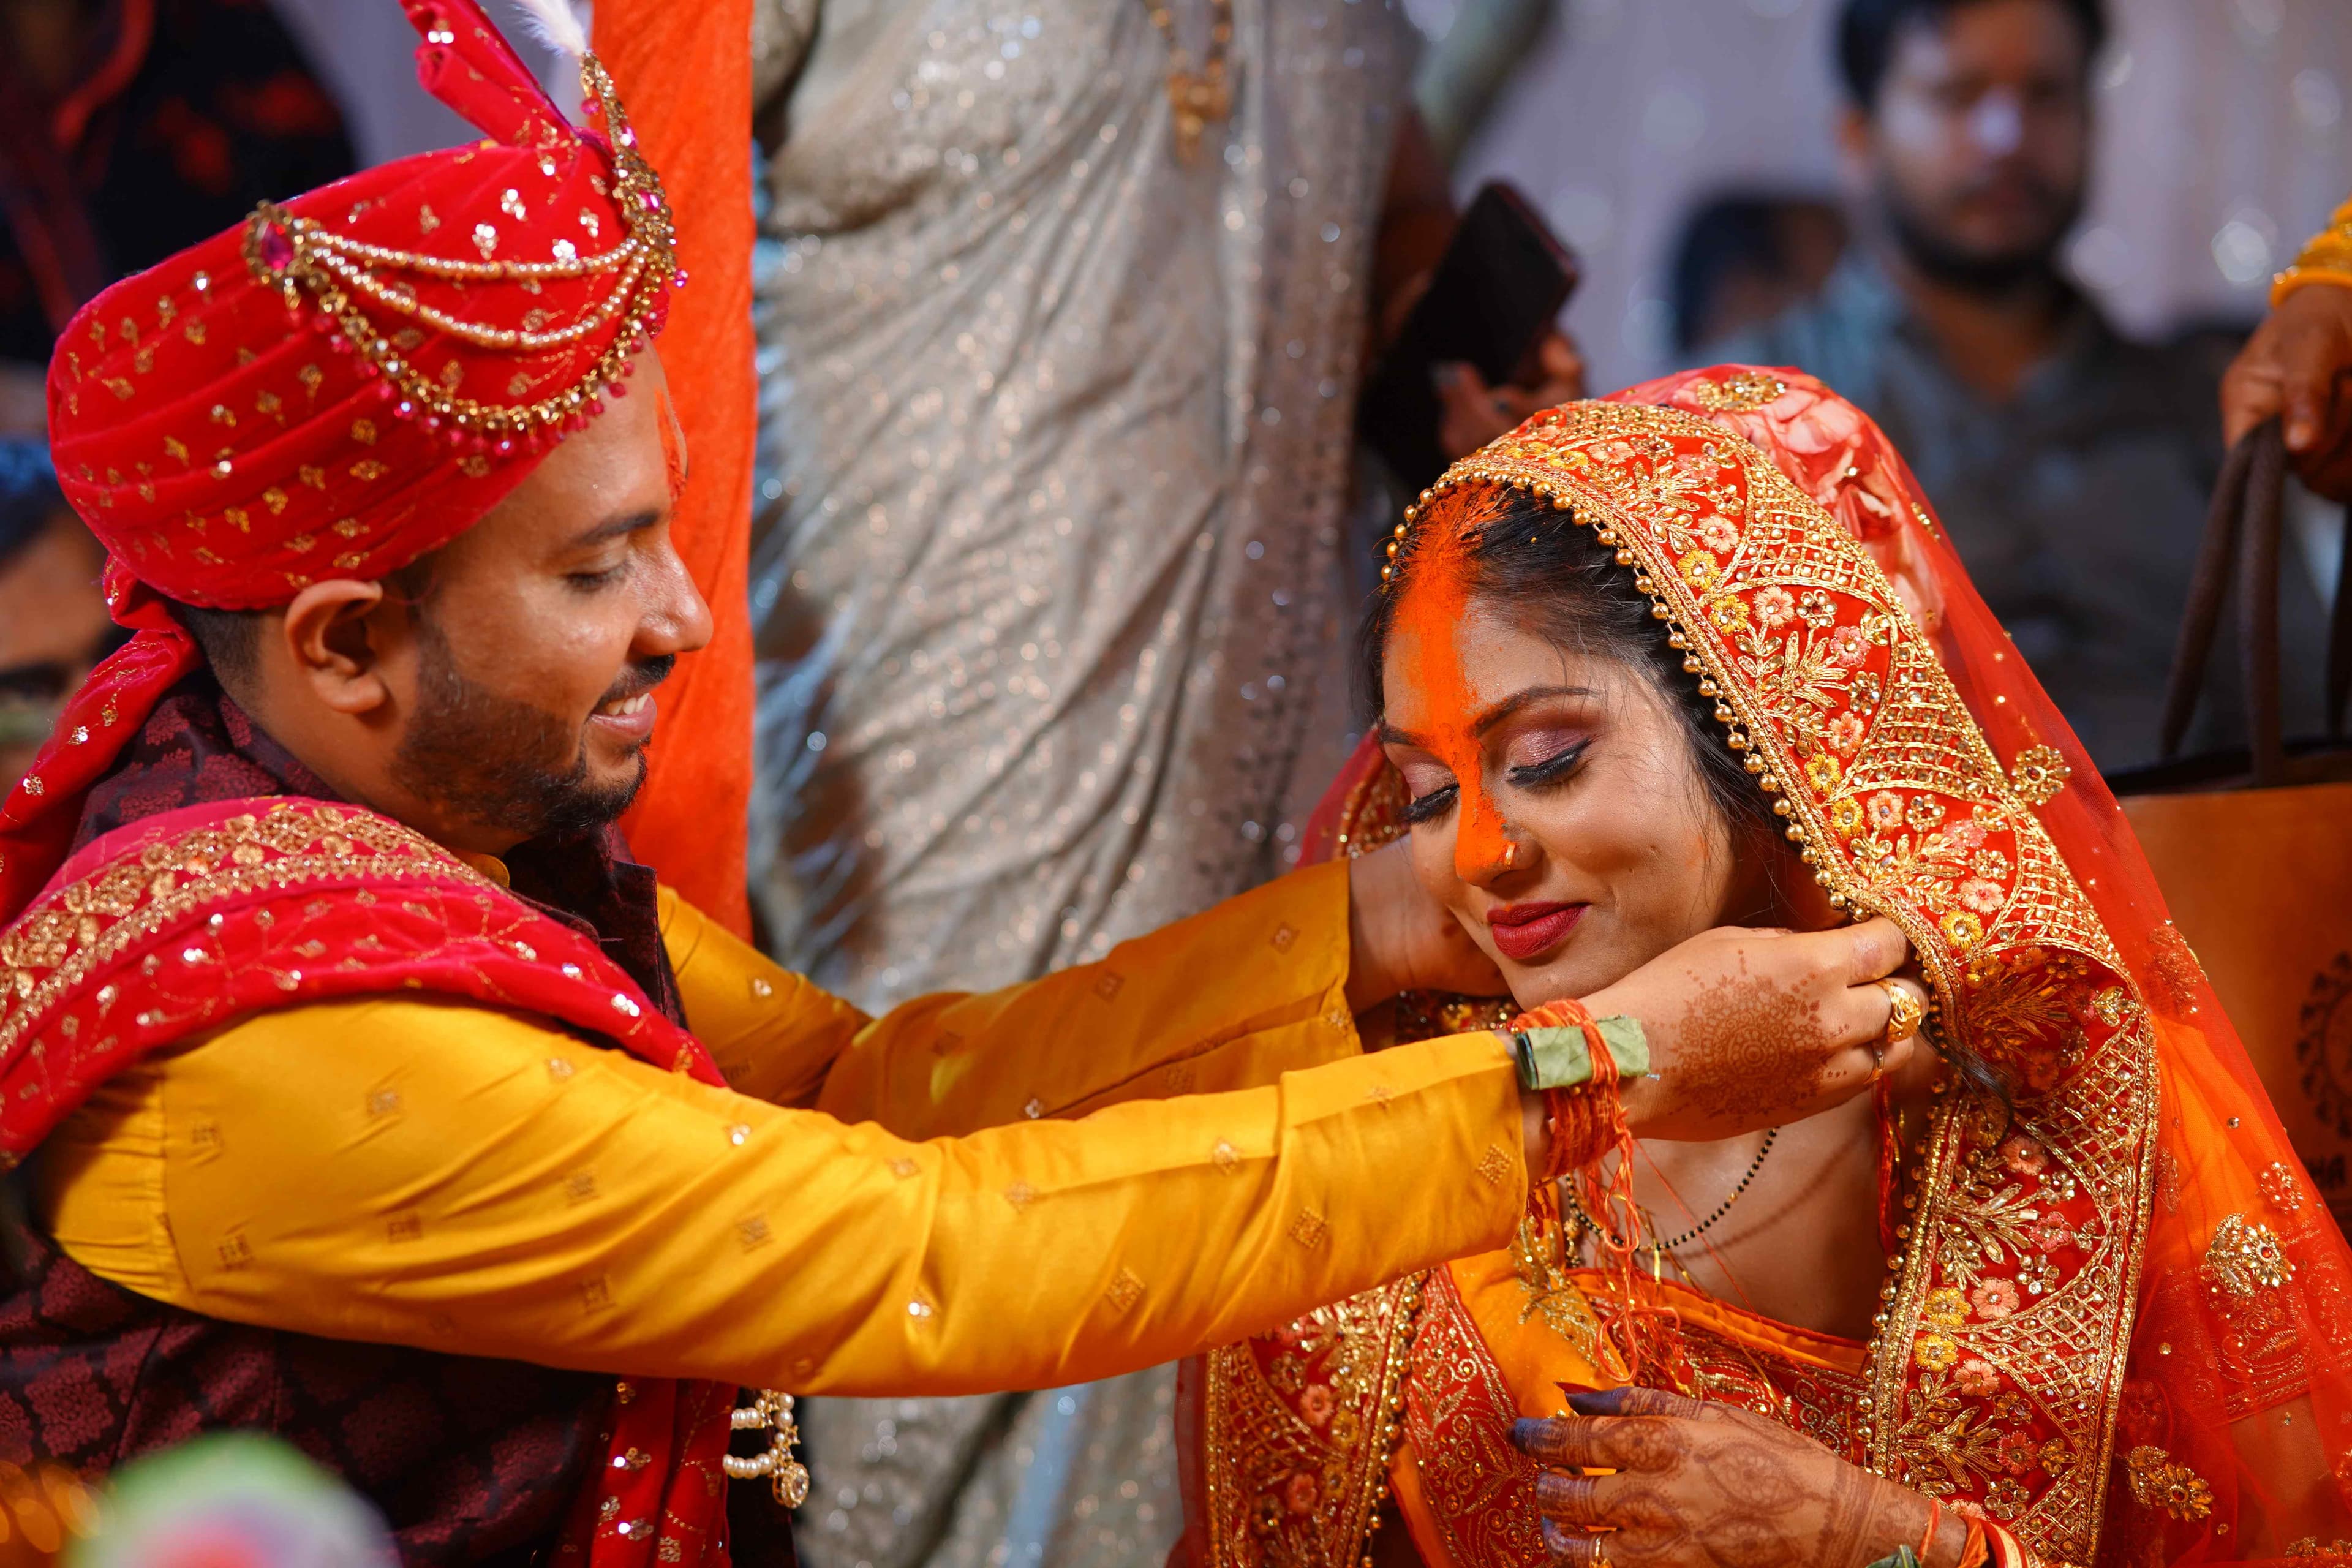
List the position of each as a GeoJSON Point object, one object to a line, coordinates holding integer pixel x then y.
{"type": "Point", "coordinates": [295, 254]}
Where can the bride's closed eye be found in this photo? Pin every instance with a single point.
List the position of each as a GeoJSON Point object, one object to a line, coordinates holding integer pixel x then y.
{"type": "Point", "coordinates": [1551, 769]}
{"type": "Point", "coordinates": [1431, 805]}
{"type": "Point", "coordinates": [1435, 799]}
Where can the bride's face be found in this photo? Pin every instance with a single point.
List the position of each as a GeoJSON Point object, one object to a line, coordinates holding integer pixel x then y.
{"type": "Point", "coordinates": [1557, 807]}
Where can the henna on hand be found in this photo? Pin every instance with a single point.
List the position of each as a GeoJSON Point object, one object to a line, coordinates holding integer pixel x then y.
{"type": "Point", "coordinates": [1751, 1029]}
{"type": "Point", "coordinates": [1701, 1485]}
{"type": "Point", "coordinates": [1751, 1047]}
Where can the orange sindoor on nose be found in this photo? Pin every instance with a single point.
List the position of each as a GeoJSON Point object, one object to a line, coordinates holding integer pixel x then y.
{"type": "Point", "coordinates": [673, 440]}
{"type": "Point", "coordinates": [1428, 636]}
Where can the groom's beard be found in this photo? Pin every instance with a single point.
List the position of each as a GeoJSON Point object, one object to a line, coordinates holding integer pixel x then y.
{"type": "Point", "coordinates": [506, 764]}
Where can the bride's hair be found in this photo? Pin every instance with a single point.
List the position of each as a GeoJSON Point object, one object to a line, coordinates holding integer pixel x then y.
{"type": "Point", "coordinates": [1549, 572]}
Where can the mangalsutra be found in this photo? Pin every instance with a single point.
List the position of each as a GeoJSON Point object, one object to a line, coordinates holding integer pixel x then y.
{"type": "Point", "coordinates": [1197, 98]}
{"type": "Point", "coordinates": [1659, 1248]}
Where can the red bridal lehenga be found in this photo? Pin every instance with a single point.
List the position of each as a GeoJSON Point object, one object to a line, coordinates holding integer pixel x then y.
{"type": "Point", "coordinates": [2114, 1322]}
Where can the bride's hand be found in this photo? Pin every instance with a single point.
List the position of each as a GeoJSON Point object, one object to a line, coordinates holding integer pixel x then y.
{"type": "Point", "coordinates": [1698, 1482]}
{"type": "Point", "coordinates": [1401, 939]}
{"type": "Point", "coordinates": [1750, 1029]}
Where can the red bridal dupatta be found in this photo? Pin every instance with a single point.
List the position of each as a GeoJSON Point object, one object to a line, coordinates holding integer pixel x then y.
{"type": "Point", "coordinates": [2114, 1323]}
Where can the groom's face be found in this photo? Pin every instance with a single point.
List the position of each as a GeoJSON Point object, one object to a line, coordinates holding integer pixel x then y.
{"type": "Point", "coordinates": [534, 649]}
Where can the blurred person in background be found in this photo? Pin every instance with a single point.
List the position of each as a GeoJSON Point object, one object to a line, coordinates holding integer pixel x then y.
{"type": "Point", "coordinates": [1062, 319]}
{"type": "Point", "coordinates": [129, 129]}
{"type": "Point", "coordinates": [53, 621]}
{"type": "Point", "coordinates": [2071, 467]}
{"type": "Point", "coordinates": [1743, 258]}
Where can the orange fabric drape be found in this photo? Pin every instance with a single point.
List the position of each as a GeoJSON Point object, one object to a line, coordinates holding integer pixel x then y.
{"type": "Point", "coordinates": [684, 71]}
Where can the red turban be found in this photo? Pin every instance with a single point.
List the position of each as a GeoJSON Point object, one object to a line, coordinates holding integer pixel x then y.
{"type": "Point", "coordinates": [342, 382]}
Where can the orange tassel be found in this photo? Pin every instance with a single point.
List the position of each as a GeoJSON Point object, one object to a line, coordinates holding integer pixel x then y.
{"type": "Point", "coordinates": [1587, 1124]}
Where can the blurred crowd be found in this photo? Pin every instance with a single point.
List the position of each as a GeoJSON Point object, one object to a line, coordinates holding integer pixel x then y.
{"type": "Point", "coordinates": [1060, 529]}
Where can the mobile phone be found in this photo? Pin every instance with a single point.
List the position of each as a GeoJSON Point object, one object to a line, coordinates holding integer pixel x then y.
{"type": "Point", "coordinates": [1502, 281]}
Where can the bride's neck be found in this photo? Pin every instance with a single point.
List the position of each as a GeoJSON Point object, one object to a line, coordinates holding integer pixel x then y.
{"type": "Point", "coordinates": [1771, 887]}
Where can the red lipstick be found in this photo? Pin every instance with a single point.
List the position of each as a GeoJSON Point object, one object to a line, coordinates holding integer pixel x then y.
{"type": "Point", "coordinates": [1527, 932]}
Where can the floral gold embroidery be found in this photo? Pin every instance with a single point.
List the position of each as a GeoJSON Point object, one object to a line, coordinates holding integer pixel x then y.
{"type": "Point", "coordinates": [1740, 393]}
{"type": "Point", "coordinates": [2243, 1257]}
{"type": "Point", "coordinates": [1319, 1398]}
{"type": "Point", "coordinates": [2040, 773]}
{"type": "Point", "coordinates": [2159, 1483]}
{"type": "Point", "coordinates": [2178, 974]}
{"type": "Point", "coordinates": [2280, 1188]}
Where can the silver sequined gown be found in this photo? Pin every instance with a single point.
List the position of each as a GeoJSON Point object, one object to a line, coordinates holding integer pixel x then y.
{"type": "Point", "coordinates": [1048, 575]}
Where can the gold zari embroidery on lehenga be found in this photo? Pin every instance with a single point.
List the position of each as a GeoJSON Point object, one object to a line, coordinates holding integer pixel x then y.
{"type": "Point", "coordinates": [1301, 1422]}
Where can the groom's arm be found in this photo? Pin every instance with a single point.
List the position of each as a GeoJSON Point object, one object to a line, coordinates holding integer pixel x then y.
{"type": "Point", "coordinates": [1233, 997]}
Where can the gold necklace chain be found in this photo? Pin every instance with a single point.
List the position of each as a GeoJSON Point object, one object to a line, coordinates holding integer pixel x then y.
{"type": "Point", "coordinates": [1197, 98]}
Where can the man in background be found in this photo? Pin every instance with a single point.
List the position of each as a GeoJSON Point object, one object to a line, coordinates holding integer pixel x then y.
{"type": "Point", "coordinates": [2071, 467]}
{"type": "Point", "coordinates": [53, 621]}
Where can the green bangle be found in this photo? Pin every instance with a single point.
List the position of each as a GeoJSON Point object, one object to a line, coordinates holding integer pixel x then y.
{"type": "Point", "coordinates": [1560, 1058]}
{"type": "Point", "coordinates": [1901, 1557]}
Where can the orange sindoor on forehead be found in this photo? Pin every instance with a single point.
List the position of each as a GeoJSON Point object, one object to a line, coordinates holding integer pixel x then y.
{"type": "Point", "coordinates": [1427, 634]}
{"type": "Point", "coordinates": [673, 440]}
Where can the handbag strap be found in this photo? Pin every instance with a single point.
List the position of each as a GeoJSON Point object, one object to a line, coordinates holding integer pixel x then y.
{"type": "Point", "coordinates": [2339, 634]}
{"type": "Point", "coordinates": [2258, 607]}
{"type": "Point", "coordinates": [2245, 527]}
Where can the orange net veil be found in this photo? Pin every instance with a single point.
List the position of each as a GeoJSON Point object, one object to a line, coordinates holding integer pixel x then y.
{"type": "Point", "coordinates": [2120, 1329]}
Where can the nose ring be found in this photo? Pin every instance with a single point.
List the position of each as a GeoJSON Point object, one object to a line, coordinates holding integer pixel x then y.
{"type": "Point", "coordinates": [1510, 853]}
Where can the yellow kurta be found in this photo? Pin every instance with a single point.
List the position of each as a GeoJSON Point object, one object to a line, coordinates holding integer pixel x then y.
{"type": "Point", "coordinates": [439, 1173]}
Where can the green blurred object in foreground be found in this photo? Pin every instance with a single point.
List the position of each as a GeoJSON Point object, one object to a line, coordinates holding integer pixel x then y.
{"type": "Point", "coordinates": [232, 1499]}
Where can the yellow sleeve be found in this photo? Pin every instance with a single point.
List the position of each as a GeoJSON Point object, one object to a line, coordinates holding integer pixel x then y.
{"type": "Point", "coordinates": [1230, 998]}
{"type": "Point", "coordinates": [432, 1173]}
{"type": "Point", "coordinates": [773, 1033]}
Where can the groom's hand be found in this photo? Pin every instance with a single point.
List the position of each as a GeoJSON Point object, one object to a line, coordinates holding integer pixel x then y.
{"type": "Point", "coordinates": [1401, 939]}
{"type": "Point", "coordinates": [1750, 1029]}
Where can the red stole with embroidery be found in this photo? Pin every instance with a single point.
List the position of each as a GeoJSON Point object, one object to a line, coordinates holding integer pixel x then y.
{"type": "Point", "coordinates": [185, 921]}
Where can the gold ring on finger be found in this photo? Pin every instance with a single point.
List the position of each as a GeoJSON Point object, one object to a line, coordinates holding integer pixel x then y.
{"type": "Point", "coordinates": [1600, 1552]}
{"type": "Point", "coordinates": [1904, 1013]}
